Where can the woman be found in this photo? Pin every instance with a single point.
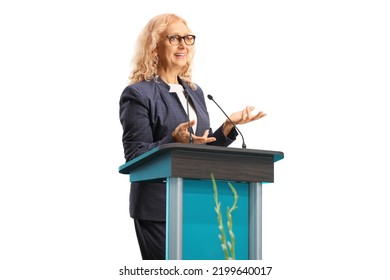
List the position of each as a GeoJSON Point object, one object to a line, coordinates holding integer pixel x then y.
{"type": "Point", "coordinates": [153, 111]}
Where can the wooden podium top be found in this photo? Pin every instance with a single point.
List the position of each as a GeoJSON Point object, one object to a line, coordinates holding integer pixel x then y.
{"type": "Point", "coordinates": [198, 161]}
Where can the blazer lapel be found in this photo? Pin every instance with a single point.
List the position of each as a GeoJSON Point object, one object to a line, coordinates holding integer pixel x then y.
{"type": "Point", "coordinates": [172, 101]}
{"type": "Point", "coordinates": [200, 110]}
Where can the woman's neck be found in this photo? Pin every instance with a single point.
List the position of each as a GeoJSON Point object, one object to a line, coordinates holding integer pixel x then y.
{"type": "Point", "coordinates": [168, 77]}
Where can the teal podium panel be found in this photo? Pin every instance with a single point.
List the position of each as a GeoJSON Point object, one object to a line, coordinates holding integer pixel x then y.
{"type": "Point", "coordinates": [200, 223]}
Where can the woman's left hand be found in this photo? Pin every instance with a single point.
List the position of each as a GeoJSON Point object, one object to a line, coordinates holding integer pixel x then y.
{"type": "Point", "coordinates": [242, 117]}
{"type": "Point", "coordinates": [246, 116]}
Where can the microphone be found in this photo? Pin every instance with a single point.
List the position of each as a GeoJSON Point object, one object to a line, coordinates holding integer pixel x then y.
{"type": "Point", "coordinates": [191, 139]}
{"type": "Point", "coordinates": [243, 141]}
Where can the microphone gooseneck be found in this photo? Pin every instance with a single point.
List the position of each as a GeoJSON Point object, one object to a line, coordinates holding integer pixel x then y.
{"type": "Point", "coordinates": [243, 141]}
{"type": "Point", "coordinates": [191, 139]}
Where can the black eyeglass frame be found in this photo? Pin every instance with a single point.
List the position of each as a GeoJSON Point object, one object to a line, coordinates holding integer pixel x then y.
{"type": "Point", "coordinates": [181, 38]}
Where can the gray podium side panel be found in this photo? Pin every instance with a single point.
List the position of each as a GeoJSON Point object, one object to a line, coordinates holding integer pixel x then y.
{"type": "Point", "coordinates": [174, 225]}
{"type": "Point", "coordinates": [255, 221]}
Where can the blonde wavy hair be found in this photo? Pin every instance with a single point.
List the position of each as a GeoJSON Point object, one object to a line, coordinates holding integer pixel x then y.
{"type": "Point", "coordinates": [145, 62]}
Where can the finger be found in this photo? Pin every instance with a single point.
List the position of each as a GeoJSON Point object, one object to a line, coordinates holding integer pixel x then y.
{"type": "Point", "coordinates": [210, 139]}
{"type": "Point", "coordinates": [185, 125]}
{"type": "Point", "coordinates": [260, 115]}
{"type": "Point", "coordinates": [206, 133]}
{"type": "Point", "coordinates": [243, 115]}
{"type": "Point", "coordinates": [250, 108]}
{"type": "Point", "coordinates": [203, 140]}
{"type": "Point", "coordinates": [176, 131]}
{"type": "Point", "coordinates": [248, 112]}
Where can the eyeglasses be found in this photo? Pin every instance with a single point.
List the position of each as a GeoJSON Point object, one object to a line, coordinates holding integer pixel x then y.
{"type": "Point", "coordinates": [176, 39]}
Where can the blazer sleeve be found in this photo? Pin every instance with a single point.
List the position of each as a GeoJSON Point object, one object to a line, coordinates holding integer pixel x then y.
{"type": "Point", "coordinates": [223, 140]}
{"type": "Point", "coordinates": [134, 114]}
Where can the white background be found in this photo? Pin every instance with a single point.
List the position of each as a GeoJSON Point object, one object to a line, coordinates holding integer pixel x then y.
{"type": "Point", "coordinates": [319, 69]}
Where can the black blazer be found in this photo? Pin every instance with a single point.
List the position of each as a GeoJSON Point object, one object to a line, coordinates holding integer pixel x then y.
{"type": "Point", "coordinates": [149, 114]}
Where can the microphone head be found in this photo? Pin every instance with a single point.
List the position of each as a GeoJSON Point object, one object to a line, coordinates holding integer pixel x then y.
{"type": "Point", "coordinates": [209, 97]}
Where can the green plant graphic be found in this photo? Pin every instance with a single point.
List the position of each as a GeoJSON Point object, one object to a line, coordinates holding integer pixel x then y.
{"type": "Point", "coordinates": [228, 247]}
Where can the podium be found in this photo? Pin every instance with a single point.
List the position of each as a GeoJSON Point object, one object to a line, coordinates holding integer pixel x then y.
{"type": "Point", "coordinates": [192, 228]}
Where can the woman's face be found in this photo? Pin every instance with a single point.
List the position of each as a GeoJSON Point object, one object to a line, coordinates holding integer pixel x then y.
{"type": "Point", "coordinates": [173, 57]}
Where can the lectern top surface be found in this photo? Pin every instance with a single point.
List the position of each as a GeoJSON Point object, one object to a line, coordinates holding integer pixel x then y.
{"type": "Point", "coordinates": [209, 149]}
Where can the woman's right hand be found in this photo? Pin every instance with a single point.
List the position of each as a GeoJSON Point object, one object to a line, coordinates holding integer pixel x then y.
{"type": "Point", "coordinates": [182, 135]}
